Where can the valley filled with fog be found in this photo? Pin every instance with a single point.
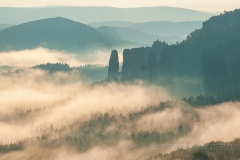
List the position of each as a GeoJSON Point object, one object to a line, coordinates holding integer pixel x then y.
{"type": "Point", "coordinates": [60, 117]}
{"type": "Point", "coordinates": [129, 88]}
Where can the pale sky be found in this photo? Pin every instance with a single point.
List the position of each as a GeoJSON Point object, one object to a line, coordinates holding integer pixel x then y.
{"type": "Point", "coordinates": [203, 5]}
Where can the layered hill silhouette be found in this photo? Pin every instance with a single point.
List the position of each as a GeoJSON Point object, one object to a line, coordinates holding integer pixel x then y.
{"type": "Point", "coordinates": [56, 33]}
{"type": "Point", "coordinates": [166, 30]}
{"type": "Point", "coordinates": [96, 14]}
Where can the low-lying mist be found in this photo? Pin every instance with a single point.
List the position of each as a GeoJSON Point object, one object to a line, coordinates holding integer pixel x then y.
{"type": "Point", "coordinates": [57, 116]}
{"type": "Point", "coordinates": [43, 55]}
{"type": "Point", "coordinates": [62, 95]}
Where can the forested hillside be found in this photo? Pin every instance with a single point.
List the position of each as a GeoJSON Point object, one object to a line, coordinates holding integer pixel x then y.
{"type": "Point", "coordinates": [210, 54]}
{"type": "Point", "coordinates": [108, 129]}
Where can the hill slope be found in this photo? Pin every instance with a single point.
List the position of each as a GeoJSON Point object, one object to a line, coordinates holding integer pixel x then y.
{"type": "Point", "coordinates": [56, 33]}
{"type": "Point", "coordinates": [130, 34]}
{"type": "Point", "coordinates": [216, 33]}
{"type": "Point", "coordinates": [96, 14]}
{"type": "Point", "coordinates": [3, 26]}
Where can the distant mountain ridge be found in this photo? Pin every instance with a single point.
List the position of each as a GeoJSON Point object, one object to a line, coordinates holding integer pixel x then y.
{"type": "Point", "coordinates": [58, 34]}
{"type": "Point", "coordinates": [96, 14]}
{"type": "Point", "coordinates": [130, 34]}
{"type": "Point", "coordinates": [171, 32]}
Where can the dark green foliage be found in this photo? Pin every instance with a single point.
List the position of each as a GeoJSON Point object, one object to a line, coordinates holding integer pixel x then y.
{"type": "Point", "coordinates": [211, 99]}
{"type": "Point", "coordinates": [211, 54]}
{"type": "Point", "coordinates": [200, 156]}
{"type": "Point", "coordinates": [146, 138]}
{"type": "Point", "coordinates": [185, 58]}
{"type": "Point", "coordinates": [221, 66]}
{"type": "Point", "coordinates": [54, 67]}
{"type": "Point", "coordinates": [11, 147]}
{"type": "Point", "coordinates": [217, 30]}
{"type": "Point", "coordinates": [210, 151]}
{"type": "Point", "coordinates": [157, 48]}
{"type": "Point", "coordinates": [93, 132]}
{"type": "Point", "coordinates": [180, 60]}
{"type": "Point", "coordinates": [152, 67]}
{"type": "Point", "coordinates": [215, 69]}
{"type": "Point", "coordinates": [150, 109]}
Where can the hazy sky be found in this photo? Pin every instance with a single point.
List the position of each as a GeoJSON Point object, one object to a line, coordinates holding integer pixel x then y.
{"type": "Point", "coordinates": [204, 5]}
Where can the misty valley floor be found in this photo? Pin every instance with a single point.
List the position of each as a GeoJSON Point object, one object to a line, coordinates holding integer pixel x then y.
{"type": "Point", "coordinates": [57, 116]}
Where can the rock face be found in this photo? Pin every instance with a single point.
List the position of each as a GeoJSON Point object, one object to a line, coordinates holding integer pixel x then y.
{"type": "Point", "coordinates": [113, 66]}
{"type": "Point", "coordinates": [139, 63]}
{"type": "Point", "coordinates": [133, 60]}
{"type": "Point", "coordinates": [142, 63]}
